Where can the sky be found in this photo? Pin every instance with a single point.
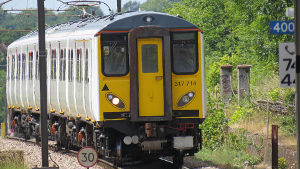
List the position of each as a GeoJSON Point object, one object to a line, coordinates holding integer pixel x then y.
{"type": "Point", "coordinates": [54, 4]}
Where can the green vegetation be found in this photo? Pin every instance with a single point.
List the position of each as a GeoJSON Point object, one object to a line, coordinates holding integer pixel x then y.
{"type": "Point", "coordinates": [282, 163]}
{"type": "Point", "coordinates": [11, 161]}
{"type": "Point", "coordinates": [227, 158]}
{"type": "Point", "coordinates": [237, 32]}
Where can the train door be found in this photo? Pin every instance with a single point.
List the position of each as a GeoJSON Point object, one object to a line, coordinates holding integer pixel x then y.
{"type": "Point", "coordinates": [150, 74]}
{"type": "Point", "coordinates": [150, 77]}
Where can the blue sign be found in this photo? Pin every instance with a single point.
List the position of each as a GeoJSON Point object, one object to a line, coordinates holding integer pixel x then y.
{"type": "Point", "coordinates": [282, 27]}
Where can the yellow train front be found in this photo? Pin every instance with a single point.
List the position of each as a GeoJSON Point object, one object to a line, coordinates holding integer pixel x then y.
{"type": "Point", "coordinates": [151, 84]}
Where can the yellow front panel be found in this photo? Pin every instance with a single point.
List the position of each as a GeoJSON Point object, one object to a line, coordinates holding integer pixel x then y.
{"type": "Point", "coordinates": [182, 84]}
{"type": "Point", "coordinates": [119, 86]}
{"type": "Point", "coordinates": [150, 75]}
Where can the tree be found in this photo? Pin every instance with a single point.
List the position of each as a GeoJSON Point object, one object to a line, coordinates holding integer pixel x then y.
{"type": "Point", "coordinates": [236, 32]}
{"type": "Point", "coordinates": [131, 6]}
{"type": "Point", "coordinates": [156, 5]}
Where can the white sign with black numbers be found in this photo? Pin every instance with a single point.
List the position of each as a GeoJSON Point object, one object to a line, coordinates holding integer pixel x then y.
{"type": "Point", "coordinates": [287, 64]}
{"type": "Point", "coordinates": [87, 157]}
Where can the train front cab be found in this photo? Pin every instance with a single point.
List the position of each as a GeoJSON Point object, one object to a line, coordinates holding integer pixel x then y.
{"type": "Point", "coordinates": [152, 97]}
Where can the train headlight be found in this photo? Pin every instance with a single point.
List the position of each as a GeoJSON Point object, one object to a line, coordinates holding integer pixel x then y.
{"type": "Point", "coordinates": [115, 101]}
{"type": "Point", "coordinates": [186, 99]}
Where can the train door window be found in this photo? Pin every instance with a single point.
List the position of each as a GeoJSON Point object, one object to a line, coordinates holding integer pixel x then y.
{"type": "Point", "coordinates": [149, 58]}
{"type": "Point", "coordinates": [184, 52]}
{"type": "Point", "coordinates": [18, 66]}
{"type": "Point", "coordinates": [86, 74]}
{"type": "Point", "coordinates": [62, 65]}
{"type": "Point", "coordinates": [70, 65]}
{"type": "Point", "coordinates": [78, 65]}
{"type": "Point", "coordinates": [23, 65]}
{"type": "Point", "coordinates": [114, 54]}
{"type": "Point", "coordinates": [30, 65]}
{"type": "Point", "coordinates": [13, 67]}
{"type": "Point", "coordinates": [53, 64]}
{"type": "Point", "coordinates": [37, 66]}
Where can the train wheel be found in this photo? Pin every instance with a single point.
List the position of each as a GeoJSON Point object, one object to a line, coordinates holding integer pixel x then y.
{"type": "Point", "coordinates": [178, 160]}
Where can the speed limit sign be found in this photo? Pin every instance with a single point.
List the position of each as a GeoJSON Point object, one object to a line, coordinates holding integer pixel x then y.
{"type": "Point", "coordinates": [87, 157]}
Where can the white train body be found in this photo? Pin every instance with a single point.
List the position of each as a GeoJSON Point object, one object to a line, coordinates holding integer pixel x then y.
{"type": "Point", "coordinates": [74, 93]}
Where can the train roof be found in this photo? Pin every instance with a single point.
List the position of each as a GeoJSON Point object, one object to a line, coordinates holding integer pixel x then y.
{"type": "Point", "coordinates": [90, 27]}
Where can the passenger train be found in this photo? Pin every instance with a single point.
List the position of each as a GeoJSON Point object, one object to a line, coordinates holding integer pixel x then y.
{"type": "Point", "coordinates": [128, 84]}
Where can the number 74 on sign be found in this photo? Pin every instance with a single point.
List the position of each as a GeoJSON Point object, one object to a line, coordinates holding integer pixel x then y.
{"type": "Point", "coordinates": [287, 65]}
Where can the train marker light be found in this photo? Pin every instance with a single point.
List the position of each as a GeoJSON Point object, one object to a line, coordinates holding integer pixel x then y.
{"type": "Point", "coordinates": [110, 97]}
{"type": "Point", "coordinates": [185, 99]}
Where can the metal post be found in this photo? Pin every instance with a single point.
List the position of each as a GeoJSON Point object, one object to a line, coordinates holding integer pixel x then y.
{"type": "Point", "coordinates": [297, 26]}
{"type": "Point", "coordinates": [119, 5]}
{"type": "Point", "coordinates": [43, 84]}
{"type": "Point", "coordinates": [274, 147]}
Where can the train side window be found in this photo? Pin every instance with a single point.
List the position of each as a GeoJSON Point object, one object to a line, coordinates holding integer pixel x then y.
{"type": "Point", "coordinates": [18, 66]}
{"type": "Point", "coordinates": [53, 64]}
{"type": "Point", "coordinates": [184, 52]}
{"type": "Point", "coordinates": [70, 65]}
{"type": "Point", "coordinates": [30, 65]}
{"type": "Point", "coordinates": [86, 73]}
{"type": "Point", "coordinates": [114, 54]}
{"type": "Point", "coordinates": [13, 67]}
{"type": "Point", "coordinates": [78, 65]}
{"type": "Point", "coordinates": [37, 66]}
{"type": "Point", "coordinates": [62, 66]}
{"type": "Point", "coordinates": [23, 65]}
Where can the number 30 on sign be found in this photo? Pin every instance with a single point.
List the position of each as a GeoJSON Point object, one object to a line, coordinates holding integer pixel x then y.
{"type": "Point", "coordinates": [87, 157]}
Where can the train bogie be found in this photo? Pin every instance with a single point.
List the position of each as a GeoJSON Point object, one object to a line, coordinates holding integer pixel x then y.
{"type": "Point", "coordinates": [126, 83]}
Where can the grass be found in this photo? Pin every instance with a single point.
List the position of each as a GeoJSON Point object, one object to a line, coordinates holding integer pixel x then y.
{"type": "Point", "coordinates": [12, 166]}
{"type": "Point", "coordinates": [227, 158]}
{"type": "Point", "coordinates": [12, 160]}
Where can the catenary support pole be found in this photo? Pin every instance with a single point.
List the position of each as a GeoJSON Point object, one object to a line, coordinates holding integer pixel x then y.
{"type": "Point", "coordinates": [119, 5]}
{"type": "Point", "coordinates": [43, 84]}
{"type": "Point", "coordinates": [297, 45]}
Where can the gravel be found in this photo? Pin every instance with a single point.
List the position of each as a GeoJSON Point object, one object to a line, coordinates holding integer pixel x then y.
{"type": "Point", "coordinates": [32, 155]}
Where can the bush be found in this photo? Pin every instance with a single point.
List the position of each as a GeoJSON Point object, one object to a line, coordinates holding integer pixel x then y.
{"type": "Point", "coordinates": [274, 94]}
{"type": "Point", "coordinates": [214, 129]}
{"type": "Point", "coordinates": [288, 124]}
{"type": "Point", "coordinates": [240, 113]}
{"type": "Point", "coordinates": [282, 163]}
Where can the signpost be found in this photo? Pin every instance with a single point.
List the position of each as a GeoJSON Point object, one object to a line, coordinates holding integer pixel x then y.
{"type": "Point", "coordinates": [282, 27]}
{"type": "Point", "coordinates": [87, 157]}
{"type": "Point", "coordinates": [287, 64]}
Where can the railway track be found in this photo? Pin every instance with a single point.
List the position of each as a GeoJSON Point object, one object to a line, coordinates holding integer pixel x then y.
{"type": "Point", "coordinates": [161, 163]}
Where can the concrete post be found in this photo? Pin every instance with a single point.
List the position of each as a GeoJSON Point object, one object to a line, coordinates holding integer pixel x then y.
{"type": "Point", "coordinates": [243, 80]}
{"type": "Point", "coordinates": [226, 83]}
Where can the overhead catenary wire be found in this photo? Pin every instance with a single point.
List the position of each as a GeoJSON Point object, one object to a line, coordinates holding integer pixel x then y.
{"type": "Point", "coordinates": [45, 15]}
